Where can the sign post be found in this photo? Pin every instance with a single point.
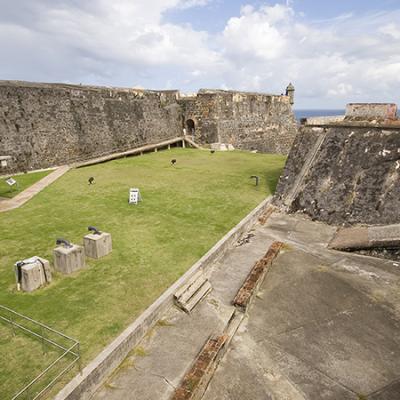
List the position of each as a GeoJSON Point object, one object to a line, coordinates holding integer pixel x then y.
{"type": "Point", "coordinates": [134, 196]}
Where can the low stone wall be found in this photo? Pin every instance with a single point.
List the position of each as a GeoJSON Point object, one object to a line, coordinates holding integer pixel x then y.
{"type": "Point", "coordinates": [84, 385]}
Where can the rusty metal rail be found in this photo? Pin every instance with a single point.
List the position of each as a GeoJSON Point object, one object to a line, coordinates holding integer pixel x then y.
{"type": "Point", "coordinates": [255, 277]}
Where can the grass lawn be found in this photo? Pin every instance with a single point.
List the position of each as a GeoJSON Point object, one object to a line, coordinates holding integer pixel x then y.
{"type": "Point", "coordinates": [185, 210]}
{"type": "Point", "coordinates": [24, 181]}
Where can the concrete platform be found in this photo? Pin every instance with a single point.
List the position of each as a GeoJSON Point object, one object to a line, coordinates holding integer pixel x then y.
{"type": "Point", "coordinates": [324, 325]}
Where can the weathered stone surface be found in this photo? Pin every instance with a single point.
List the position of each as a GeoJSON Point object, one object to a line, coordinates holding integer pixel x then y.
{"type": "Point", "coordinates": [35, 274]}
{"type": "Point", "coordinates": [97, 246]}
{"type": "Point", "coordinates": [371, 111]}
{"type": "Point", "coordinates": [69, 259]}
{"type": "Point", "coordinates": [354, 178]}
{"type": "Point", "coordinates": [249, 121]}
{"type": "Point", "coordinates": [43, 125]}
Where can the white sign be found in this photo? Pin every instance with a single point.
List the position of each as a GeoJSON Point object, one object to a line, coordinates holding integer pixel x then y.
{"type": "Point", "coordinates": [134, 196]}
{"type": "Point", "coordinates": [11, 181]}
{"type": "Point", "coordinates": [3, 163]}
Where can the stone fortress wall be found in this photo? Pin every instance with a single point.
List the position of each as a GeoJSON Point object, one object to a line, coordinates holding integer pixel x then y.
{"type": "Point", "coordinates": [44, 125]}
{"type": "Point", "coordinates": [249, 121]}
{"type": "Point", "coordinates": [346, 171]}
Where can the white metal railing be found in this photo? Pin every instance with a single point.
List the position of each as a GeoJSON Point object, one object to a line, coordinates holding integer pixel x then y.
{"type": "Point", "coordinates": [70, 349]}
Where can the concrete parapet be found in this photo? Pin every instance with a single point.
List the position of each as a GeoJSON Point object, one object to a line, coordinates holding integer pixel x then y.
{"type": "Point", "coordinates": [69, 259]}
{"type": "Point", "coordinates": [97, 245]}
{"type": "Point", "coordinates": [33, 273]}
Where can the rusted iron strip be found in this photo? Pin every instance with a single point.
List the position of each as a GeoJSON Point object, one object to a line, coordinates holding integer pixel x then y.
{"type": "Point", "coordinates": [197, 378]}
{"type": "Point", "coordinates": [268, 212]}
{"type": "Point", "coordinates": [255, 277]}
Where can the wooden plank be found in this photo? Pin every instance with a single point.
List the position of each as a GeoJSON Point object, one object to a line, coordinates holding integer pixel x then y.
{"type": "Point", "coordinates": [197, 297]}
{"type": "Point", "coordinates": [186, 286]}
{"type": "Point", "coordinates": [192, 289]}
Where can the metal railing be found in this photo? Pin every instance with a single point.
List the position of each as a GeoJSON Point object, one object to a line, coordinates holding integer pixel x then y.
{"type": "Point", "coordinates": [68, 347]}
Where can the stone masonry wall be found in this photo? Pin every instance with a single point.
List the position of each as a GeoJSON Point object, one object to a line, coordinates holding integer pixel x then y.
{"type": "Point", "coordinates": [354, 178]}
{"type": "Point", "coordinates": [249, 121]}
{"type": "Point", "coordinates": [44, 125]}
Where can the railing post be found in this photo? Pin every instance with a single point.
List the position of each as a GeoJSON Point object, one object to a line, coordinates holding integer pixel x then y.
{"type": "Point", "coordinates": [12, 324]}
{"type": "Point", "coordinates": [79, 358]}
{"type": "Point", "coordinates": [42, 336]}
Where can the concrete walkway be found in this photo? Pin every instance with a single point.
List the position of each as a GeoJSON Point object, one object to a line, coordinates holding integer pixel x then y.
{"type": "Point", "coordinates": [157, 367]}
{"type": "Point", "coordinates": [27, 194]}
{"type": "Point", "coordinates": [324, 325]}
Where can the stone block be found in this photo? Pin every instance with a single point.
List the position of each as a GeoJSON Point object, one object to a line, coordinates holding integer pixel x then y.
{"type": "Point", "coordinates": [219, 146]}
{"type": "Point", "coordinates": [69, 259]}
{"type": "Point", "coordinates": [371, 111]}
{"type": "Point", "coordinates": [97, 246]}
{"type": "Point", "coordinates": [35, 273]}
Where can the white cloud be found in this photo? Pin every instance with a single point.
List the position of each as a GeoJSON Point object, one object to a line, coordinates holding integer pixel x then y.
{"type": "Point", "coordinates": [392, 30]}
{"type": "Point", "coordinates": [125, 42]}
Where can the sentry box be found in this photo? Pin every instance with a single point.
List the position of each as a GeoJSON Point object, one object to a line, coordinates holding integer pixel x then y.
{"type": "Point", "coordinates": [97, 244]}
{"type": "Point", "coordinates": [32, 273]}
{"type": "Point", "coordinates": [68, 257]}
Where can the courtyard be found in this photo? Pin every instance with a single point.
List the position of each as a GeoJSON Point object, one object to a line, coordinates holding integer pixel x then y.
{"type": "Point", "coordinates": [186, 208]}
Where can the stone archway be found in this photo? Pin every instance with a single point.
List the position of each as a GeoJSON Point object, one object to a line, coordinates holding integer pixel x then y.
{"type": "Point", "coordinates": [190, 127]}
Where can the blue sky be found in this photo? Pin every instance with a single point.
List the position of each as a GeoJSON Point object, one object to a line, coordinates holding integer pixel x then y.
{"type": "Point", "coordinates": [334, 52]}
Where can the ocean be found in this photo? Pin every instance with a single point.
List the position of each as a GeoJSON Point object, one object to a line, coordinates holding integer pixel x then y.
{"type": "Point", "coordinates": [316, 113]}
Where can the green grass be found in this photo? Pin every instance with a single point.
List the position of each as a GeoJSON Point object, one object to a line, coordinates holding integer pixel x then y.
{"type": "Point", "coordinates": [185, 210]}
{"type": "Point", "coordinates": [24, 181]}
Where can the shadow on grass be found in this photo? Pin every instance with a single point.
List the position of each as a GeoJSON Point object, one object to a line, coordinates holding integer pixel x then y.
{"type": "Point", "coordinates": [271, 179]}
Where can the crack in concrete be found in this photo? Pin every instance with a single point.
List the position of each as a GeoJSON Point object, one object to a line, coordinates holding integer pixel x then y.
{"type": "Point", "coordinates": [315, 322]}
{"type": "Point", "coordinates": [166, 380]}
{"type": "Point", "coordinates": [382, 389]}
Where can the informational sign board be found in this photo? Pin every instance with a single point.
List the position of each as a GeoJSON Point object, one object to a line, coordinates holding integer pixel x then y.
{"type": "Point", "coordinates": [3, 163]}
{"type": "Point", "coordinates": [134, 196]}
{"type": "Point", "coordinates": [11, 182]}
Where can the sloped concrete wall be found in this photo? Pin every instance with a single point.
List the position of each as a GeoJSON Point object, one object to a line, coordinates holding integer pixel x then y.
{"type": "Point", "coordinates": [354, 178]}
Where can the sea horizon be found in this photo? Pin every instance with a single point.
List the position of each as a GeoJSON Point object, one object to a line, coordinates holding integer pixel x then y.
{"type": "Point", "coordinates": [313, 112]}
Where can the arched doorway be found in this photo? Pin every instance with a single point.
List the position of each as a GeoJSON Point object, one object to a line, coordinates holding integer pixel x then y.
{"type": "Point", "coordinates": [190, 127]}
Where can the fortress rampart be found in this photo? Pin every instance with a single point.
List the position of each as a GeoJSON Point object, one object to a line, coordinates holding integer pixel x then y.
{"type": "Point", "coordinates": [44, 125]}
{"type": "Point", "coordinates": [346, 171]}
{"type": "Point", "coordinates": [249, 121]}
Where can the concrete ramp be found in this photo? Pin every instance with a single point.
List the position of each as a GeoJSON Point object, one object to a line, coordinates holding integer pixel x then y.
{"type": "Point", "coordinates": [367, 237]}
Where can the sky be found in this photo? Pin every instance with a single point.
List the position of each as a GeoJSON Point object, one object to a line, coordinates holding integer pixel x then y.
{"type": "Point", "coordinates": [333, 51]}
